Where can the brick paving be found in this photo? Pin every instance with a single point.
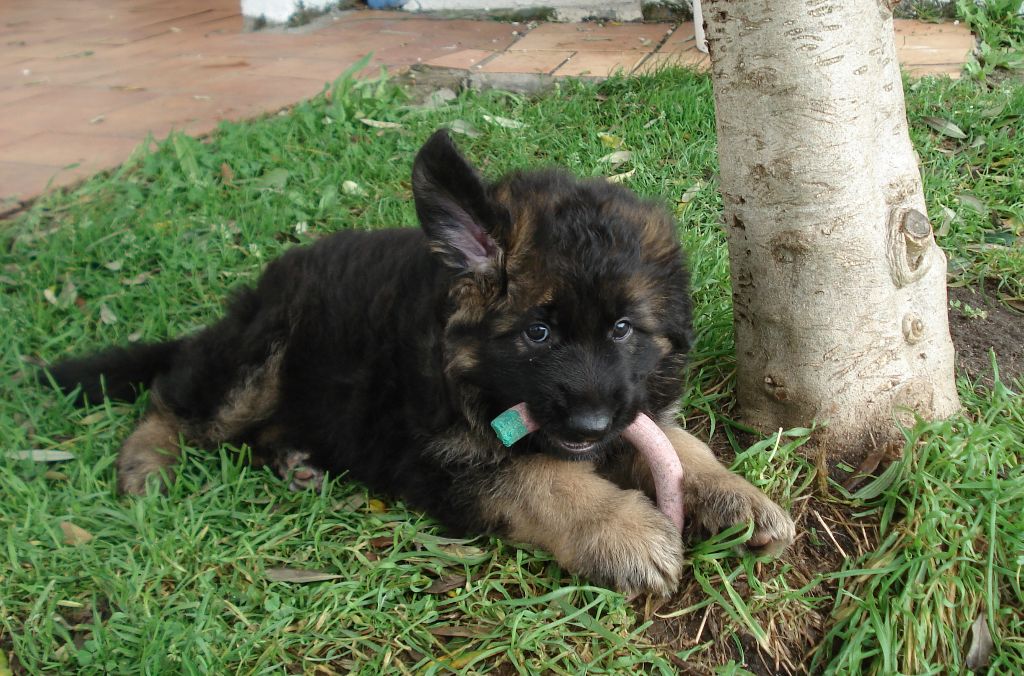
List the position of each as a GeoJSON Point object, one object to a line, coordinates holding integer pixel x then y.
{"type": "Point", "coordinates": [83, 82]}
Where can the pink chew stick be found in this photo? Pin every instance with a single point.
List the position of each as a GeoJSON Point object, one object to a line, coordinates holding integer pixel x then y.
{"type": "Point", "coordinates": [643, 433]}
{"type": "Point", "coordinates": [661, 457]}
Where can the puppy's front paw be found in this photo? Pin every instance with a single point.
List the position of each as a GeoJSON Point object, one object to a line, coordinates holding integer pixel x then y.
{"type": "Point", "coordinates": [733, 500]}
{"type": "Point", "coordinates": [637, 550]}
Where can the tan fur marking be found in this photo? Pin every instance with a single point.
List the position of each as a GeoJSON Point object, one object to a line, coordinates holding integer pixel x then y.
{"type": "Point", "coordinates": [646, 297]}
{"type": "Point", "coordinates": [247, 403]}
{"type": "Point", "coordinates": [663, 343]}
{"type": "Point", "coordinates": [510, 314]}
{"type": "Point", "coordinates": [657, 233]}
{"type": "Point", "coordinates": [592, 527]}
{"type": "Point", "coordinates": [463, 359]}
{"type": "Point", "coordinates": [150, 450]}
{"type": "Point", "coordinates": [470, 297]}
{"type": "Point", "coordinates": [467, 447]}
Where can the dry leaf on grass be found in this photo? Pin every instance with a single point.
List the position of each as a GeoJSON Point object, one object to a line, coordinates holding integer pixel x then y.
{"type": "Point", "coordinates": [351, 188]}
{"type": "Point", "coordinates": [691, 192]}
{"type": "Point", "coordinates": [140, 278]}
{"type": "Point", "coordinates": [981, 644]}
{"type": "Point", "coordinates": [504, 122]}
{"type": "Point", "coordinates": [107, 316]}
{"type": "Point", "coordinates": [380, 124]}
{"type": "Point", "coordinates": [42, 455]}
{"type": "Point", "coordinates": [350, 504]}
{"type": "Point", "coordinates": [969, 200]}
{"type": "Point", "coordinates": [457, 632]}
{"type": "Point", "coordinates": [299, 576]}
{"type": "Point", "coordinates": [945, 127]}
{"type": "Point", "coordinates": [617, 158]}
{"type": "Point", "coordinates": [446, 584]}
{"type": "Point", "coordinates": [74, 535]}
{"type": "Point", "coordinates": [465, 128]}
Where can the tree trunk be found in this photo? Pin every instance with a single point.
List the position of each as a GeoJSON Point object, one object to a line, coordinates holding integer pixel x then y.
{"type": "Point", "coordinates": [839, 288]}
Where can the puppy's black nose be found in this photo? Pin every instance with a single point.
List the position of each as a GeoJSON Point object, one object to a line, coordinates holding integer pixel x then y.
{"type": "Point", "coordinates": [590, 423]}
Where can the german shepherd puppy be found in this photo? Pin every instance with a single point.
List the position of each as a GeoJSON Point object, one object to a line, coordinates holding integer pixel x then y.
{"type": "Point", "coordinates": [386, 355]}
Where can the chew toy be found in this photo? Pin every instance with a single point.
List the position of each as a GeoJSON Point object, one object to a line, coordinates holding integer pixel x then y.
{"type": "Point", "coordinates": [514, 424]}
{"type": "Point", "coordinates": [643, 433]}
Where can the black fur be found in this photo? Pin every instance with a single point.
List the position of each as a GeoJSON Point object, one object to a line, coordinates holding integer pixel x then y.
{"type": "Point", "coordinates": [120, 372]}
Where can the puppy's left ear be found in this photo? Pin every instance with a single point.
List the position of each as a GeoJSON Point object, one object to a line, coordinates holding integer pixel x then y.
{"type": "Point", "coordinates": [453, 207]}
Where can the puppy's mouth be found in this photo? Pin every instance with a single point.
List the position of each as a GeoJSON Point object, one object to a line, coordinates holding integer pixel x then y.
{"type": "Point", "coordinates": [576, 447]}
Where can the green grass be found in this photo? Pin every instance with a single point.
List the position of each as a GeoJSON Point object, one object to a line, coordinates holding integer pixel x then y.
{"type": "Point", "coordinates": [180, 583]}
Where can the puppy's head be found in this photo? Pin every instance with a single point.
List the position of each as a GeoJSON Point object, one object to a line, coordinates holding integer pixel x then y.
{"type": "Point", "coordinates": [570, 295]}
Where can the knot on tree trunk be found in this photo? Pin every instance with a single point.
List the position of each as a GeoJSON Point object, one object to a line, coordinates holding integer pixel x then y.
{"type": "Point", "coordinates": [910, 240]}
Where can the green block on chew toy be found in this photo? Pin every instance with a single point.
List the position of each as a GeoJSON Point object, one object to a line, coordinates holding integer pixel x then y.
{"type": "Point", "coordinates": [513, 425]}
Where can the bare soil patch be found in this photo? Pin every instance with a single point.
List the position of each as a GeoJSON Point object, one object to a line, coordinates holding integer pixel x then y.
{"type": "Point", "coordinates": [979, 323]}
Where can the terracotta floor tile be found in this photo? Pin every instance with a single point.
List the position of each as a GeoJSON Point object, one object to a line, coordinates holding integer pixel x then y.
{"type": "Point", "coordinates": [527, 62]}
{"type": "Point", "coordinates": [10, 135]}
{"type": "Point", "coordinates": [39, 30]}
{"type": "Point", "coordinates": [952, 70]}
{"type": "Point", "coordinates": [227, 25]}
{"type": "Point", "coordinates": [61, 149]}
{"type": "Point", "coordinates": [690, 58]}
{"type": "Point", "coordinates": [925, 55]}
{"type": "Point", "coordinates": [67, 106]}
{"type": "Point", "coordinates": [346, 49]}
{"type": "Point", "coordinates": [16, 93]}
{"type": "Point", "coordinates": [321, 70]}
{"type": "Point", "coordinates": [592, 37]}
{"type": "Point", "coordinates": [464, 59]}
{"type": "Point", "coordinates": [599, 64]}
{"type": "Point", "coordinates": [177, 74]}
{"type": "Point", "coordinates": [461, 34]}
{"type": "Point", "coordinates": [121, 35]}
{"type": "Point", "coordinates": [164, 114]}
{"type": "Point", "coordinates": [56, 71]}
{"type": "Point", "coordinates": [20, 180]}
{"type": "Point", "coordinates": [912, 27]}
{"type": "Point", "coordinates": [264, 94]}
{"type": "Point", "coordinates": [964, 41]}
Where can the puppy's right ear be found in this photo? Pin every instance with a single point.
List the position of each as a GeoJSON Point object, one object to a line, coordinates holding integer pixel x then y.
{"type": "Point", "coordinates": [453, 207]}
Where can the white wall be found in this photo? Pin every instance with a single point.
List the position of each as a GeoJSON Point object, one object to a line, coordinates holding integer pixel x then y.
{"type": "Point", "coordinates": [279, 11]}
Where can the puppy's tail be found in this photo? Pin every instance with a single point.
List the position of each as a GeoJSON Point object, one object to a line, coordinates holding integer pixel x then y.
{"type": "Point", "coordinates": [118, 372]}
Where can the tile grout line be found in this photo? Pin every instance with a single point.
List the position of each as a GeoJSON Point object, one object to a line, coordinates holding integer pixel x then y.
{"type": "Point", "coordinates": [657, 48]}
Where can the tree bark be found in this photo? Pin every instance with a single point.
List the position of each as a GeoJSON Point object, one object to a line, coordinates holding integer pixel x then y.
{"type": "Point", "coordinates": [839, 288]}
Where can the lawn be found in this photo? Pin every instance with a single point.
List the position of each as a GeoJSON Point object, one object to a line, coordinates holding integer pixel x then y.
{"type": "Point", "coordinates": [887, 576]}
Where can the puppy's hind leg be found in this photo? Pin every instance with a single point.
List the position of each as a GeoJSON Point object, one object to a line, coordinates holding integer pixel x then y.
{"type": "Point", "coordinates": [295, 468]}
{"type": "Point", "coordinates": [151, 450]}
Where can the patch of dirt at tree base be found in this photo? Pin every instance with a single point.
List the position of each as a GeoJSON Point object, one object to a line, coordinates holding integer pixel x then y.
{"type": "Point", "coordinates": [828, 534]}
{"type": "Point", "coordinates": [796, 629]}
{"type": "Point", "coordinates": [979, 323]}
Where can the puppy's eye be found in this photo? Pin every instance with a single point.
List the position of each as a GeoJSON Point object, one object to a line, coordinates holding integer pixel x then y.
{"type": "Point", "coordinates": [621, 330]}
{"type": "Point", "coordinates": [537, 333]}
